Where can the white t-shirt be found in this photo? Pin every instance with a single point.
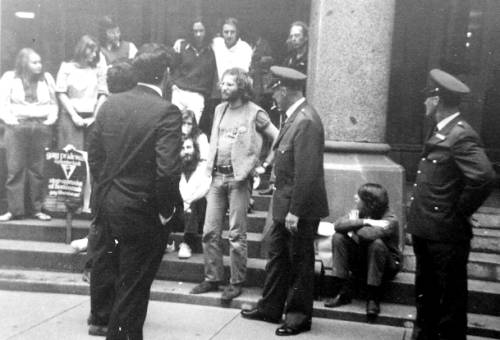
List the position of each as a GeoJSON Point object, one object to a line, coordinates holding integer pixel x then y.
{"type": "Point", "coordinates": [240, 55]}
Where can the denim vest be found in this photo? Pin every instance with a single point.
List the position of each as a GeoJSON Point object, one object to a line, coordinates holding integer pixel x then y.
{"type": "Point", "coordinates": [247, 146]}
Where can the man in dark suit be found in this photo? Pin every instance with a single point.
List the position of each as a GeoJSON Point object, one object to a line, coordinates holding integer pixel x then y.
{"type": "Point", "coordinates": [453, 179]}
{"type": "Point", "coordinates": [299, 203]}
{"type": "Point", "coordinates": [134, 158]}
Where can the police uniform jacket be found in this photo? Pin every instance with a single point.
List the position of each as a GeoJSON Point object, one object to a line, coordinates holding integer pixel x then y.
{"type": "Point", "coordinates": [300, 184]}
{"type": "Point", "coordinates": [453, 179]}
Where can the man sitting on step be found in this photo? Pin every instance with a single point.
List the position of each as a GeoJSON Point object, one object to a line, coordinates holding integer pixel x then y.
{"type": "Point", "coordinates": [366, 243]}
{"type": "Point", "coordinates": [193, 186]}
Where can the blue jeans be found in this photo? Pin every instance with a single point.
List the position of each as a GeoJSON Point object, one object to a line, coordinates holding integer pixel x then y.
{"type": "Point", "coordinates": [226, 191]}
{"type": "Point", "coordinates": [25, 148]}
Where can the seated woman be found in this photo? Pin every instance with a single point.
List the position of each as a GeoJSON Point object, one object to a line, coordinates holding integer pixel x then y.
{"type": "Point", "coordinates": [366, 242]}
{"type": "Point", "coordinates": [28, 108]}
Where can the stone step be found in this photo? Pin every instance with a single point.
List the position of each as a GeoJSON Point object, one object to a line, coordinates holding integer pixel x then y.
{"type": "Point", "coordinates": [488, 219]}
{"type": "Point", "coordinates": [484, 266]}
{"type": "Point", "coordinates": [481, 266]}
{"type": "Point", "coordinates": [55, 229]}
{"type": "Point", "coordinates": [484, 296]}
{"type": "Point", "coordinates": [484, 241]}
{"type": "Point", "coordinates": [480, 326]}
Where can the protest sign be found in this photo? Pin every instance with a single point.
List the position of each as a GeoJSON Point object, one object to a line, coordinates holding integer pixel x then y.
{"type": "Point", "coordinates": [66, 173]}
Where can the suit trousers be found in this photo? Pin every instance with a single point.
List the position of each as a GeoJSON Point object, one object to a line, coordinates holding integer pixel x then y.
{"type": "Point", "coordinates": [226, 192]}
{"type": "Point", "coordinates": [25, 145]}
{"type": "Point", "coordinates": [290, 273]}
{"type": "Point", "coordinates": [128, 247]}
{"type": "Point", "coordinates": [364, 258]}
{"type": "Point", "coordinates": [441, 289]}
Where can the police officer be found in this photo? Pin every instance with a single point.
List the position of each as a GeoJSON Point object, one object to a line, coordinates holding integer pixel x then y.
{"type": "Point", "coordinates": [299, 203]}
{"type": "Point", "coordinates": [454, 178]}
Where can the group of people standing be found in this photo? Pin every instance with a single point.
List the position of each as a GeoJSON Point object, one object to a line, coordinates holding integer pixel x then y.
{"type": "Point", "coordinates": [154, 162]}
{"type": "Point", "coordinates": [32, 102]}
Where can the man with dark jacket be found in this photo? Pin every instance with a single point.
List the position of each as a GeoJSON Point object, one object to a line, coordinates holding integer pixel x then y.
{"type": "Point", "coordinates": [195, 71]}
{"type": "Point", "coordinates": [297, 43]}
{"type": "Point", "coordinates": [134, 158]}
{"type": "Point", "coordinates": [299, 203]}
{"type": "Point", "coordinates": [454, 178]}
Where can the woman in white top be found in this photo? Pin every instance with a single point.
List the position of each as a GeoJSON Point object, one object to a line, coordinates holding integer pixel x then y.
{"type": "Point", "coordinates": [28, 107]}
{"type": "Point", "coordinates": [81, 88]}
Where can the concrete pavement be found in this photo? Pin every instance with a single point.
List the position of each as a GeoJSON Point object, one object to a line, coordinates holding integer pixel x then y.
{"type": "Point", "coordinates": [27, 315]}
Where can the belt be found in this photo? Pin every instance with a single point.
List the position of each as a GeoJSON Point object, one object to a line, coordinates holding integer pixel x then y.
{"type": "Point", "coordinates": [224, 169]}
{"type": "Point", "coordinates": [32, 119]}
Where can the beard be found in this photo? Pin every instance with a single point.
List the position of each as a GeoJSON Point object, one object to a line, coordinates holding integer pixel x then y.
{"type": "Point", "coordinates": [189, 164]}
{"type": "Point", "coordinates": [231, 96]}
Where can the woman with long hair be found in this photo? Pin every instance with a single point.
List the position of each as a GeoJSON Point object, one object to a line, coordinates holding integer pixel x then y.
{"type": "Point", "coordinates": [81, 88]}
{"type": "Point", "coordinates": [191, 129]}
{"type": "Point", "coordinates": [28, 108]}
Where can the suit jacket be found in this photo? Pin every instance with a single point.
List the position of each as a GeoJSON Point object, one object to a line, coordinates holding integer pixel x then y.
{"type": "Point", "coordinates": [453, 179]}
{"type": "Point", "coordinates": [300, 183]}
{"type": "Point", "coordinates": [134, 148]}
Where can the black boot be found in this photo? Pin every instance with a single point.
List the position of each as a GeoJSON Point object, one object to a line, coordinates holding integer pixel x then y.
{"type": "Point", "coordinates": [342, 294]}
{"type": "Point", "coordinates": [373, 303]}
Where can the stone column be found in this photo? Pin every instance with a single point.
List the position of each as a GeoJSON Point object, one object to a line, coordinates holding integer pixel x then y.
{"type": "Point", "coordinates": [348, 83]}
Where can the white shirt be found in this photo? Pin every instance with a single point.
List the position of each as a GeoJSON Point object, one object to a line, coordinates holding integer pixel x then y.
{"type": "Point", "coordinates": [239, 55]}
{"type": "Point", "coordinates": [445, 121]}
{"type": "Point", "coordinates": [196, 187]}
{"type": "Point", "coordinates": [294, 107]}
{"type": "Point", "coordinates": [153, 87]}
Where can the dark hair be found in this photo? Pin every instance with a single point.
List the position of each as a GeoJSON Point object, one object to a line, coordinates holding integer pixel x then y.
{"type": "Point", "coordinates": [449, 99]}
{"type": "Point", "coordinates": [151, 63]}
{"type": "Point", "coordinates": [105, 24]}
{"type": "Point", "coordinates": [120, 76]}
{"type": "Point", "coordinates": [375, 200]}
{"type": "Point", "coordinates": [243, 81]}
{"type": "Point", "coordinates": [196, 156]}
{"type": "Point", "coordinates": [303, 25]}
{"type": "Point", "coordinates": [80, 55]}
{"type": "Point", "coordinates": [208, 33]}
{"type": "Point", "coordinates": [195, 131]}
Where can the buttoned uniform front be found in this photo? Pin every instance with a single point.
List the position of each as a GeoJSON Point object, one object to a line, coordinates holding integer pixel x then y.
{"type": "Point", "coordinates": [134, 157]}
{"type": "Point", "coordinates": [453, 179]}
{"type": "Point", "coordinates": [300, 190]}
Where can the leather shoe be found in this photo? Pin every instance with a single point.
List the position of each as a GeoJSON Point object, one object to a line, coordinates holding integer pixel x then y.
{"type": "Point", "coordinates": [256, 314]}
{"type": "Point", "coordinates": [372, 309]}
{"type": "Point", "coordinates": [339, 300]}
{"type": "Point", "coordinates": [205, 287]}
{"type": "Point", "coordinates": [286, 330]}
